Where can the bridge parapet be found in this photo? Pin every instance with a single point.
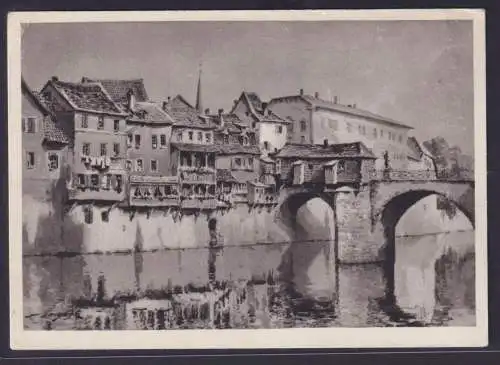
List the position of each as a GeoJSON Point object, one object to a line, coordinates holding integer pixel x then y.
{"type": "Point", "coordinates": [422, 175]}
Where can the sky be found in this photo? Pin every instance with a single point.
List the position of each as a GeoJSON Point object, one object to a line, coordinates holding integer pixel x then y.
{"type": "Point", "coordinates": [417, 72]}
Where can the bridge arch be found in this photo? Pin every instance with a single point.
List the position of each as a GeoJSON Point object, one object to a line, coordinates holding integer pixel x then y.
{"type": "Point", "coordinates": [392, 207]}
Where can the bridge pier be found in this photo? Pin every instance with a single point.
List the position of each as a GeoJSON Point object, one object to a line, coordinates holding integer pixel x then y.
{"type": "Point", "coordinates": [358, 240]}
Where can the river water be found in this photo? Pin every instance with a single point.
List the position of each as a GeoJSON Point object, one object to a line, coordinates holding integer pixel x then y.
{"type": "Point", "coordinates": [260, 286]}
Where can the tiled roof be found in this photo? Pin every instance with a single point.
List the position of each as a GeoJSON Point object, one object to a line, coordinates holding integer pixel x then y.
{"type": "Point", "coordinates": [150, 113]}
{"type": "Point", "coordinates": [257, 108]}
{"type": "Point", "coordinates": [53, 133]}
{"type": "Point", "coordinates": [184, 115]}
{"type": "Point", "coordinates": [414, 150]}
{"type": "Point", "coordinates": [317, 102]}
{"type": "Point", "coordinates": [87, 96]}
{"type": "Point", "coordinates": [236, 148]}
{"type": "Point", "coordinates": [195, 147]}
{"type": "Point", "coordinates": [225, 175]}
{"type": "Point", "coordinates": [346, 150]}
{"type": "Point", "coordinates": [117, 89]}
{"type": "Point", "coordinates": [35, 96]}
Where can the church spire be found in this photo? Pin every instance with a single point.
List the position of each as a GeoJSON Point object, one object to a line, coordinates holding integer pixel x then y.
{"type": "Point", "coordinates": [199, 105]}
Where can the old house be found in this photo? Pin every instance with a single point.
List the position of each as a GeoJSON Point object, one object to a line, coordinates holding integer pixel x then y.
{"type": "Point", "coordinates": [45, 146]}
{"type": "Point", "coordinates": [96, 126]}
{"type": "Point", "coordinates": [322, 165]}
{"type": "Point", "coordinates": [270, 128]}
{"type": "Point", "coordinates": [192, 152]}
{"type": "Point", "coordinates": [315, 120]}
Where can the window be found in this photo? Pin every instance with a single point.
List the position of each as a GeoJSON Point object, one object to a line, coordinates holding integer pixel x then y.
{"type": "Point", "coordinates": [250, 162]}
{"type": "Point", "coordinates": [226, 139]}
{"type": "Point", "coordinates": [116, 149]}
{"type": "Point", "coordinates": [400, 138]}
{"type": "Point", "coordinates": [119, 183]}
{"type": "Point", "coordinates": [104, 149]}
{"type": "Point", "coordinates": [279, 129]}
{"type": "Point", "coordinates": [129, 140]}
{"type": "Point", "coordinates": [116, 125]}
{"type": "Point", "coordinates": [381, 133]}
{"type": "Point", "coordinates": [85, 121]}
{"type": "Point", "coordinates": [154, 141]}
{"type": "Point", "coordinates": [81, 180]}
{"type": "Point", "coordinates": [94, 181]}
{"type": "Point", "coordinates": [302, 139]}
{"type": "Point", "coordinates": [137, 141]}
{"type": "Point", "coordinates": [86, 149]}
{"type": "Point", "coordinates": [163, 140]}
{"type": "Point", "coordinates": [53, 161]}
{"type": "Point", "coordinates": [100, 122]}
{"type": "Point", "coordinates": [245, 141]}
{"type": "Point", "coordinates": [105, 182]}
{"type": "Point", "coordinates": [128, 165]}
{"type": "Point", "coordinates": [138, 165]}
{"type": "Point", "coordinates": [390, 135]}
{"type": "Point", "coordinates": [311, 166]}
{"type": "Point", "coordinates": [30, 160]}
{"type": "Point", "coordinates": [88, 213]}
{"type": "Point", "coordinates": [154, 165]}
{"type": "Point", "coordinates": [254, 124]}
{"type": "Point", "coordinates": [374, 132]}
{"type": "Point", "coordinates": [341, 166]}
{"type": "Point", "coordinates": [190, 135]}
{"type": "Point", "coordinates": [208, 137]}
{"type": "Point", "coordinates": [237, 161]}
{"type": "Point", "coordinates": [105, 216]}
{"type": "Point", "coordinates": [303, 125]}
{"type": "Point", "coordinates": [349, 127]}
{"type": "Point", "coordinates": [30, 125]}
{"type": "Point", "coordinates": [200, 137]}
{"type": "Point", "coordinates": [179, 136]}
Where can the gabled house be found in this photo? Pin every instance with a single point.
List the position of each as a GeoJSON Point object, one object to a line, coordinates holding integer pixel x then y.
{"type": "Point", "coordinates": [192, 152]}
{"type": "Point", "coordinates": [420, 159]}
{"type": "Point", "coordinates": [96, 127]}
{"type": "Point", "coordinates": [269, 127]}
{"type": "Point", "coordinates": [44, 144]}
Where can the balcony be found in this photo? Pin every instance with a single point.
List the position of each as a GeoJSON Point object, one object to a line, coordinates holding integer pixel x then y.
{"type": "Point", "coordinates": [154, 191]}
{"type": "Point", "coordinates": [198, 177]}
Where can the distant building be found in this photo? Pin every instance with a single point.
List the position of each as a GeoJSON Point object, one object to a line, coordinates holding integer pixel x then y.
{"type": "Point", "coordinates": [45, 146]}
{"type": "Point", "coordinates": [270, 128]}
{"type": "Point", "coordinates": [420, 159]}
{"type": "Point", "coordinates": [315, 120]}
{"type": "Point", "coordinates": [96, 126]}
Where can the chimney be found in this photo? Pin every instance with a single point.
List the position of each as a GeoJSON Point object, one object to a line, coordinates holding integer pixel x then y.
{"type": "Point", "coordinates": [353, 105]}
{"type": "Point", "coordinates": [325, 143]}
{"type": "Point", "coordinates": [301, 91]}
{"type": "Point", "coordinates": [207, 111]}
{"type": "Point", "coordinates": [85, 80]}
{"type": "Point", "coordinates": [336, 99]}
{"type": "Point", "coordinates": [264, 106]}
{"type": "Point", "coordinates": [235, 101]}
{"type": "Point", "coordinates": [168, 98]}
{"type": "Point", "coordinates": [55, 78]}
{"type": "Point", "coordinates": [316, 95]}
{"type": "Point", "coordinates": [164, 106]}
{"type": "Point", "coordinates": [130, 99]}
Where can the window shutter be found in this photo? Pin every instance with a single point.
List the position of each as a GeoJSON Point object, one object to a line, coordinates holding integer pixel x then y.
{"type": "Point", "coordinates": [113, 182]}
{"type": "Point", "coordinates": [23, 123]}
{"type": "Point", "coordinates": [87, 181]}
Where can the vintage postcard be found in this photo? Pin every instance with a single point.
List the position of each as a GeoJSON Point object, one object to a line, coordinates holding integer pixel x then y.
{"type": "Point", "coordinates": [288, 179]}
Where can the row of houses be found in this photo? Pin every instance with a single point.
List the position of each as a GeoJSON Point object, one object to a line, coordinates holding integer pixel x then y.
{"type": "Point", "coordinates": [110, 143]}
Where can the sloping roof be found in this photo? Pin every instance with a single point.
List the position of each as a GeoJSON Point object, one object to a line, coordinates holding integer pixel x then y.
{"type": "Point", "coordinates": [195, 147]}
{"type": "Point", "coordinates": [185, 115]}
{"type": "Point", "coordinates": [257, 108]}
{"type": "Point", "coordinates": [236, 148]}
{"type": "Point", "coordinates": [414, 150]}
{"type": "Point", "coordinates": [225, 175]}
{"type": "Point", "coordinates": [53, 133]}
{"type": "Point", "coordinates": [320, 103]}
{"type": "Point", "coordinates": [86, 96]}
{"type": "Point", "coordinates": [149, 112]}
{"type": "Point", "coordinates": [345, 150]}
{"type": "Point", "coordinates": [266, 159]}
{"type": "Point", "coordinates": [118, 88]}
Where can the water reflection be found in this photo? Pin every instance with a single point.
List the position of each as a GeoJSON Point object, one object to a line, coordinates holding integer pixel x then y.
{"type": "Point", "coordinates": [261, 286]}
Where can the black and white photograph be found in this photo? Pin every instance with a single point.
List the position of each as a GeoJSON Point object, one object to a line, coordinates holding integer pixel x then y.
{"type": "Point", "coordinates": [293, 177]}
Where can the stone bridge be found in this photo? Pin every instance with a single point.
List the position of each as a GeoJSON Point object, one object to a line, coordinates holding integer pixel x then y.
{"type": "Point", "coordinates": [366, 215]}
